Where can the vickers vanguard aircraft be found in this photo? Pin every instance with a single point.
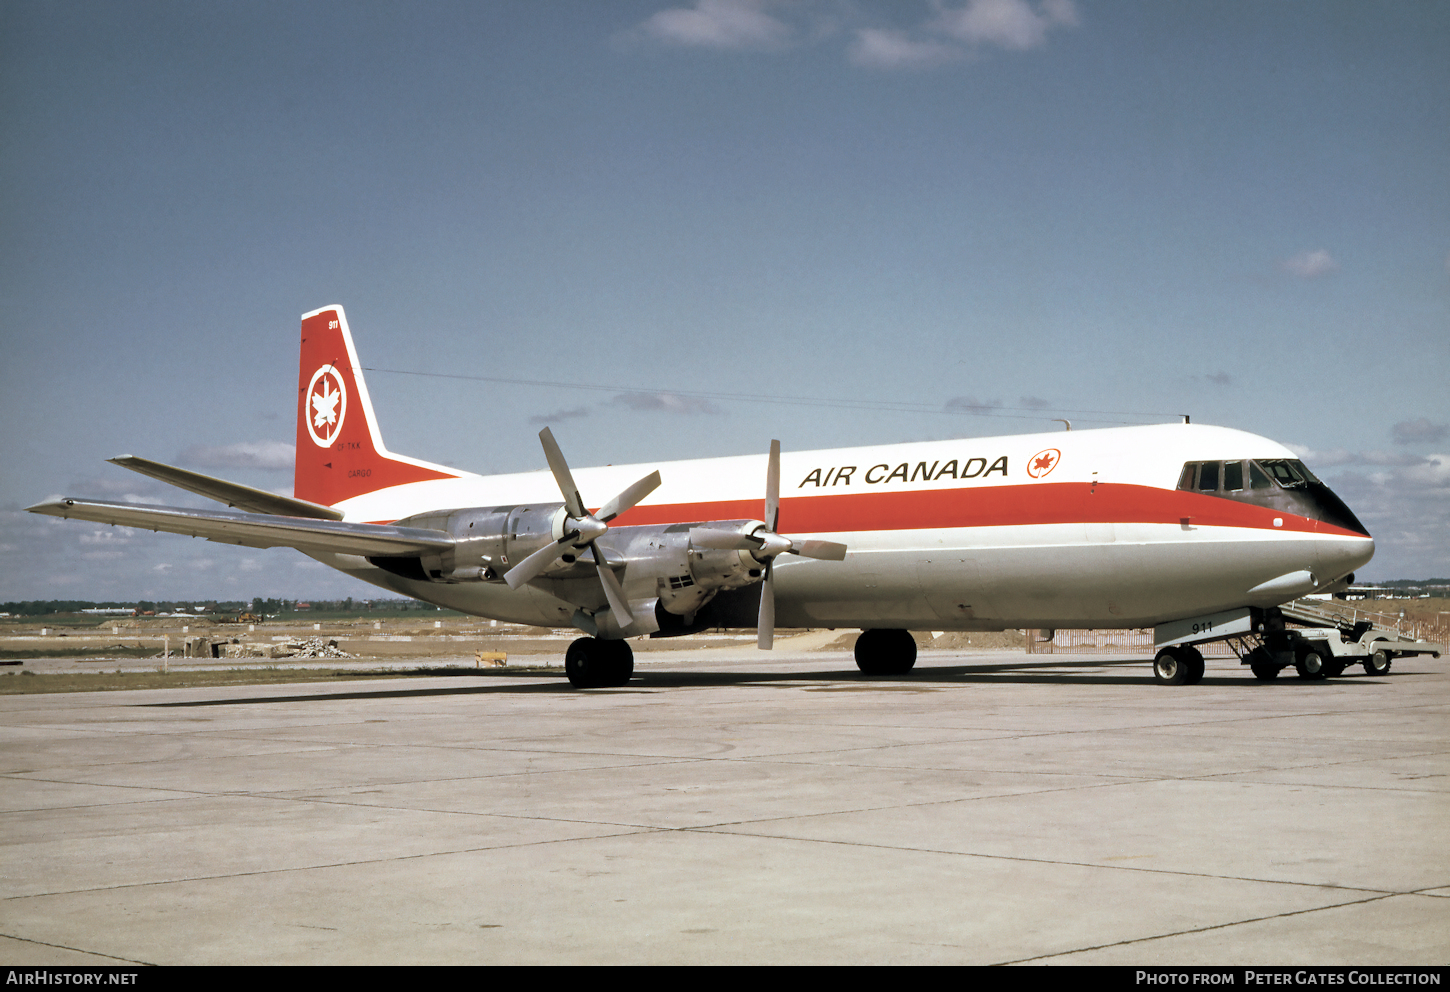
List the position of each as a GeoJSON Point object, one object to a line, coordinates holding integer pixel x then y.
{"type": "Point", "coordinates": [1121, 527]}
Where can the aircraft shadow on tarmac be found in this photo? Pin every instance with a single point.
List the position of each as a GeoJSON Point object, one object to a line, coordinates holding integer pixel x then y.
{"type": "Point", "coordinates": [931, 678]}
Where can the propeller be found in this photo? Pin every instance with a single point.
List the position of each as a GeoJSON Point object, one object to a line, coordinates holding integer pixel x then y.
{"type": "Point", "coordinates": [765, 543]}
{"type": "Point", "coordinates": [582, 528]}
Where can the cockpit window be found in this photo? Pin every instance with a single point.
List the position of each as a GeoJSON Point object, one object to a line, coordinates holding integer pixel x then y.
{"type": "Point", "coordinates": [1283, 484]}
{"type": "Point", "coordinates": [1208, 477]}
{"type": "Point", "coordinates": [1233, 476]}
{"type": "Point", "coordinates": [1289, 473]}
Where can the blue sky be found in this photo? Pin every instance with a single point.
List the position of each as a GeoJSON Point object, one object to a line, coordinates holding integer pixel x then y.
{"type": "Point", "coordinates": [942, 218]}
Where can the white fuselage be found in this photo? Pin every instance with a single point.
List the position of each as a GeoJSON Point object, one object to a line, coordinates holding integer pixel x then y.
{"type": "Point", "coordinates": [1071, 529]}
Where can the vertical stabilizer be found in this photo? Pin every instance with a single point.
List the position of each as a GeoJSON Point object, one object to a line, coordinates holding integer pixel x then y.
{"type": "Point", "coordinates": [340, 453]}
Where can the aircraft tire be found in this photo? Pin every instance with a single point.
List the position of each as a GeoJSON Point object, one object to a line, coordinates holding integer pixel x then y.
{"type": "Point", "coordinates": [1377, 663]}
{"type": "Point", "coordinates": [594, 664]}
{"type": "Point", "coordinates": [621, 662]}
{"type": "Point", "coordinates": [1193, 658]}
{"type": "Point", "coordinates": [885, 652]}
{"type": "Point", "coordinates": [1262, 665]}
{"type": "Point", "coordinates": [1312, 664]}
{"type": "Point", "coordinates": [1171, 668]}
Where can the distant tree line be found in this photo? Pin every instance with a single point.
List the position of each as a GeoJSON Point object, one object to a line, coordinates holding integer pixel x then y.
{"type": "Point", "coordinates": [257, 605]}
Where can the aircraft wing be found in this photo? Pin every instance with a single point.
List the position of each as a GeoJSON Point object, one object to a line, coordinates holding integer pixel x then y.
{"type": "Point", "coordinates": [256, 530]}
{"type": "Point", "coordinates": [230, 493]}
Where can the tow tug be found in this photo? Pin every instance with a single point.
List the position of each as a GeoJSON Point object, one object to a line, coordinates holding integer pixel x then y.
{"type": "Point", "coordinates": [1320, 645]}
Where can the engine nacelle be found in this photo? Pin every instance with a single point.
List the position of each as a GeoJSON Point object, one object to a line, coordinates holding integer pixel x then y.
{"type": "Point", "coordinates": [487, 540]}
{"type": "Point", "coordinates": [651, 561]}
{"type": "Point", "coordinates": [684, 577]}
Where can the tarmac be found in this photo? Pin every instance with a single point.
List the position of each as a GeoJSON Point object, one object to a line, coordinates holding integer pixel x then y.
{"type": "Point", "coordinates": [735, 807]}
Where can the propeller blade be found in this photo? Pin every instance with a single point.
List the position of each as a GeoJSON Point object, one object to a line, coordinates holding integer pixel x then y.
{"type": "Point", "coordinates": [572, 500]}
{"type": "Point", "coordinates": [772, 489]}
{"type": "Point", "coordinates": [765, 626]}
{"type": "Point", "coordinates": [820, 550]}
{"type": "Point", "coordinates": [612, 590]}
{"type": "Point", "coordinates": [629, 497]}
{"type": "Point", "coordinates": [537, 562]}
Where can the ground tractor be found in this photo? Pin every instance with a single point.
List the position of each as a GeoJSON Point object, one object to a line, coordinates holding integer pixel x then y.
{"type": "Point", "coordinates": [1321, 645]}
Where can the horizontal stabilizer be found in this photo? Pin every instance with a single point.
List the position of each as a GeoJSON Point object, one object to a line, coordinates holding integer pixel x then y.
{"type": "Point", "coordinates": [230, 493]}
{"type": "Point", "coordinates": [256, 530]}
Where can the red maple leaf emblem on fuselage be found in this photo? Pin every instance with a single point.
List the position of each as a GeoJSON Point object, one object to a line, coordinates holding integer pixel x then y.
{"type": "Point", "coordinates": [1043, 462]}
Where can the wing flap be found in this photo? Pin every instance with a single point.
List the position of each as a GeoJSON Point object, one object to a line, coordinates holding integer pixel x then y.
{"type": "Point", "coordinates": [256, 530]}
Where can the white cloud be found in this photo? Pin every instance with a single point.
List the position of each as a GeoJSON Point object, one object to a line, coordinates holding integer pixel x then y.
{"type": "Point", "coordinates": [1011, 24]}
{"type": "Point", "coordinates": [1407, 510]}
{"type": "Point", "coordinates": [1338, 457]}
{"type": "Point", "coordinates": [666, 403]}
{"type": "Point", "coordinates": [721, 24]}
{"type": "Point", "coordinates": [558, 415]}
{"type": "Point", "coordinates": [970, 404]}
{"type": "Point", "coordinates": [273, 455]}
{"type": "Point", "coordinates": [1310, 264]}
{"type": "Point", "coordinates": [949, 34]}
{"type": "Point", "coordinates": [883, 48]}
{"type": "Point", "coordinates": [1419, 431]}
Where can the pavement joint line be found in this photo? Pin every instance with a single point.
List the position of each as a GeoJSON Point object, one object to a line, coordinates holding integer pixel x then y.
{"type": "Point", "coordinates": [185, 880]}
{"type": "Point", "coordinates": [1379, 893]}
{"type": "Point", "coordinates": [67, 947]}
{"type": "Point", "coordinates": [1207, 929]}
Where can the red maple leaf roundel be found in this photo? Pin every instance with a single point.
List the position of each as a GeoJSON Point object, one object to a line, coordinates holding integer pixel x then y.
{"type": "Point", "coordinates": [1043, 462]}
{"type": "Point", "coordinates": [326, 406]}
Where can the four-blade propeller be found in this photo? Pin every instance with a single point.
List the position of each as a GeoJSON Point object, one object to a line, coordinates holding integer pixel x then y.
{"type": "Point", "coordinates": [765, 543]}
{"type": "Point", "coordinates": [581, 529]}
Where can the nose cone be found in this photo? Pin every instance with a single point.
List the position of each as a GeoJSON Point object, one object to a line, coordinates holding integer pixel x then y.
{"type": "Point", "coordinates": [1338, 556]}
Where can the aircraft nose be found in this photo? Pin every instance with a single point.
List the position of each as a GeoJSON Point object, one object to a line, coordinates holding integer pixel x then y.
{"type": "Point", "coordinates": [1342, 555]}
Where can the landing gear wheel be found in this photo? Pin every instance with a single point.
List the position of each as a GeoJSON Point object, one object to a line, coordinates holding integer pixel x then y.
{"type": "Point", "coordinates": [1312, 663]}
{"type": "Point", "coordinates": [885, 652]}
{"type": "Point", "coordinates": [594, 664]}
{"type": "Point", "coordinates": [1192, 659]}
{"type": "Point", "coordinates": [1262, 665]}
{"type": "Point", "coordinates": [1170, 667]}
{"type": "Point", "coordinates": [1377, 663]}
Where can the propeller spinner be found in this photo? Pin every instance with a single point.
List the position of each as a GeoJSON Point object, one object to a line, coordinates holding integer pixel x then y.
{"type": "Point", "coordinates": [582, 528]}
{"type": "Point", "coordinates": [765, 544]}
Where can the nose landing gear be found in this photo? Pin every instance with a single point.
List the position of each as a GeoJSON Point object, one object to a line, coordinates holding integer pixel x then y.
{"type": "Point", "coordinates": [1180, 665]}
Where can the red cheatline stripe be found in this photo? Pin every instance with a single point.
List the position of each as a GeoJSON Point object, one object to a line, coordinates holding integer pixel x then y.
{"type": "Point", "coordinates": [987, 506]}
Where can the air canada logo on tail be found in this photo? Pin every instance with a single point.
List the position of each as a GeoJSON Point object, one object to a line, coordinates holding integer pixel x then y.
{"type": "Point", "coordinates": [326, 406]}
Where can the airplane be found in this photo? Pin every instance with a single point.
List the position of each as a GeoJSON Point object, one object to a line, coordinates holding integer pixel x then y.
{"type": "Point", "coordinates": [1123, 527]}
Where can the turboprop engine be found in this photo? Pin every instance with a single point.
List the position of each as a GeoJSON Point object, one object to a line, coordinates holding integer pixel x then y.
{"type": "Point", "coordinates": [630, 572]}
{"type": "Point", "coordinates": [650, 563]}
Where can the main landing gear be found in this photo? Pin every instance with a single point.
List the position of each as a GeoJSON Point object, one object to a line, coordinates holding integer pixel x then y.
{"type": "Point", "coordinates": [594, 664]}
{"type": "Point", "coordinates": [885, 652]}
{"type": "Point", "coordinates": [1181, 665]}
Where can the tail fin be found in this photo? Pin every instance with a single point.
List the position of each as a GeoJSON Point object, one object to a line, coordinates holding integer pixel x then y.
{"type": "Point", "coordinates": [340, 453]}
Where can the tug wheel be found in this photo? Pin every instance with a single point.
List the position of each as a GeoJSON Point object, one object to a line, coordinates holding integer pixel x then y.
{"type": "Point", "coordinates": [1377, 663]}
{"type": "Point", "coordinates": [1312, 663]}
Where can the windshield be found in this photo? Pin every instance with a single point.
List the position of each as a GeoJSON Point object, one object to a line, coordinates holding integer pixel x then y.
{"type": "Point", "coordinates": [1282, 483]}
{"type": "Point", "coordinates": [1289, 473]}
